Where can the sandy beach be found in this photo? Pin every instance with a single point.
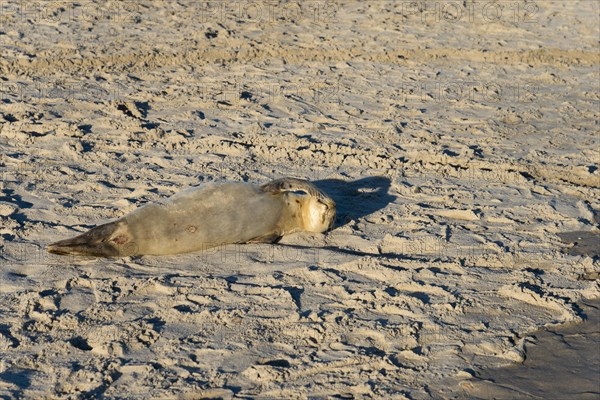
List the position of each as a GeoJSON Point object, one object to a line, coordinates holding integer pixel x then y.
{"type": "Point", "coordinates": [460, 141]}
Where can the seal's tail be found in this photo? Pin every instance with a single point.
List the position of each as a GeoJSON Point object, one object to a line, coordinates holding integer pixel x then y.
{"type": "Point", "coordinates": [108, 240]}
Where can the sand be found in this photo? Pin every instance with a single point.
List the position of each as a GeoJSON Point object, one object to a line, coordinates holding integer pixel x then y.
{"type": "Point", "coordinates": [460, 141]}
{"type": "Point", "coordinates": [561, 363]}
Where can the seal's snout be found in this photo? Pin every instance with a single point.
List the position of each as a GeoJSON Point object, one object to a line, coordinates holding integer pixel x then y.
{"type": "Point", "coordinates": [332, 216]}
{"type": "Point", "coordinates": [329, 215]}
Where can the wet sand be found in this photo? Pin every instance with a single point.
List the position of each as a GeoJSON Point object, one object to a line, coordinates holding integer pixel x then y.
{"type": "Point", "coordinates": [560, 363]}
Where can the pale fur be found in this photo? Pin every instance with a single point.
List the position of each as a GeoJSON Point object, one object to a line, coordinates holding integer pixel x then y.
{"type": "Point", "coordinates": [208, 216]}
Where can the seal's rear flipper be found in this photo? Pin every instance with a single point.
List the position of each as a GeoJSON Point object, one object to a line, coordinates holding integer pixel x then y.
{"type": "Point", "coordinates": [108, 240]}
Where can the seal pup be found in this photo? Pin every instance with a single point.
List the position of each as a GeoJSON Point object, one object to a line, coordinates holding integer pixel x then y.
{"type": "Point", "coordinates": [207, 216]}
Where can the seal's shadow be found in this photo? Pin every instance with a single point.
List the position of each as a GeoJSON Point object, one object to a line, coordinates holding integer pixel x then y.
{"type": "Point", "coordinates": [357, 199]}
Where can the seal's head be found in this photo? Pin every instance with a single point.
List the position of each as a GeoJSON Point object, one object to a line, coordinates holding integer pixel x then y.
{"type": "Point", "coordinates": [308, 208]}
{"type": "Point", "coordinates": [318, 213]}
{"type": "Point", "coordinates": [311, 212]}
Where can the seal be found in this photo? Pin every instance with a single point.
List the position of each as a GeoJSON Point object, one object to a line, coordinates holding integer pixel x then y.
{"type": "Point", "coordinates": [207, 216]}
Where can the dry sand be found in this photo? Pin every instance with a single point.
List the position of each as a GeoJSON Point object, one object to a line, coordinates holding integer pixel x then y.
{"type": "Point", "coordinates": [458, 138]}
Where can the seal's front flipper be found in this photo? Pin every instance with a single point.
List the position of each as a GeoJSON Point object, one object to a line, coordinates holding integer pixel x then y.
{"type": "Point", "coordinates": [108, 240]}
{"type": "Point", "coordinates": [268, 238]}
{"type": "Point", "coordinates": [291, 185]}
